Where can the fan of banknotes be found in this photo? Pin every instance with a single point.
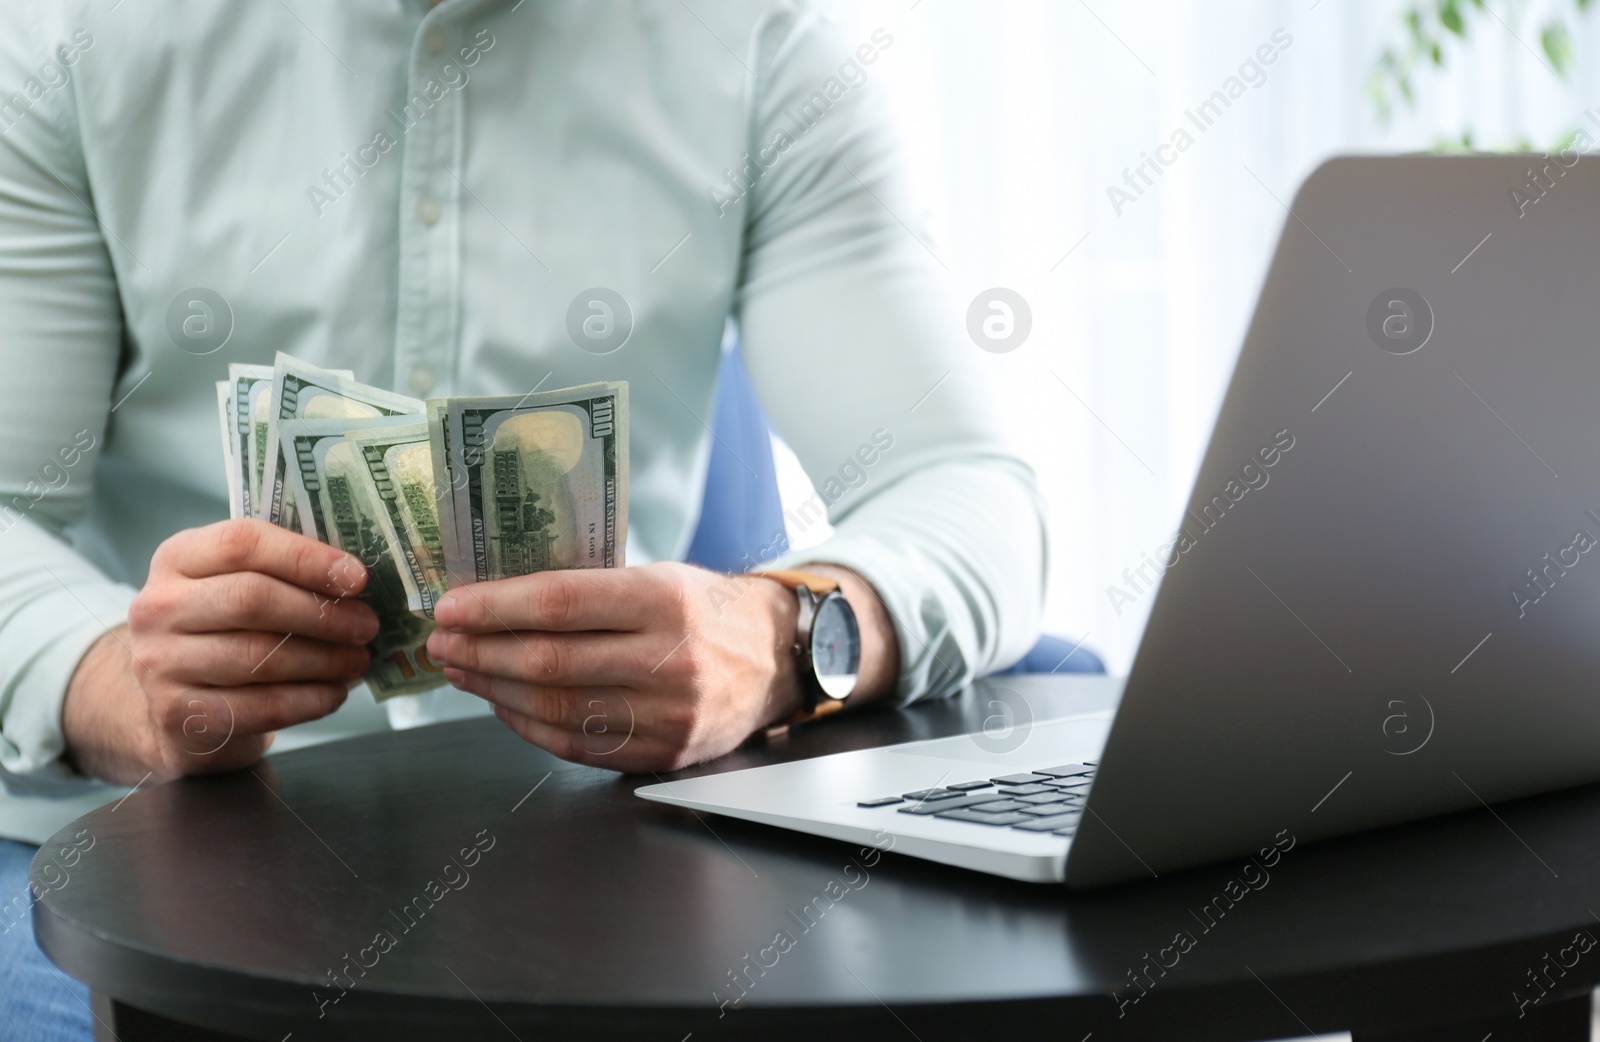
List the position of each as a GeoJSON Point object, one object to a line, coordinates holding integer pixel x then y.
{"type": "Point", "coordinates": [428, 495]}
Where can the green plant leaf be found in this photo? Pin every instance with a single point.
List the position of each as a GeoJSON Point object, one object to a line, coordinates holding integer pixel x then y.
{"type": "Point", "coordinates": [1556, 43]}
{"type": "Point", "coordinates": [1433, 27]}
{"type": "Point", "coordinates": [1450, 17]}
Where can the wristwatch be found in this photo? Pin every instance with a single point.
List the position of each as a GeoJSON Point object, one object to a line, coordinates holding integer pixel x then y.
{"type": "Point", "coordinates": [827, 645]}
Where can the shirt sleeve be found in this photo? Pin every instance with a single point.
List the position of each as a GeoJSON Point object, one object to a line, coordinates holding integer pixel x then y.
{"type": "Point", "coordinates": [864, 364]}
{"type": "Point", "coordinates": [60, 329]}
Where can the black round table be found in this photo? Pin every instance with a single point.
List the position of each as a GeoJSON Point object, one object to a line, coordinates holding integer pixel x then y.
{"type": "Point", "coordinates": [452, 881]}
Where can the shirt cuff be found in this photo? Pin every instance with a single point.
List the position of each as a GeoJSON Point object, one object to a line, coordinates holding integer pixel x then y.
{"type": "Point", "coordinates": [48, 640]}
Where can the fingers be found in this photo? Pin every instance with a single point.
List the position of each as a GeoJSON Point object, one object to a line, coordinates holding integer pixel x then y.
{"type": "Point", "coordinates": [252, 601]}
{"type": "Point", "coordinates": [238, 751]}
{"type": "Point", "coordinates": [243, 629]}
{"type": "Point", "coordinates": [545, 658]}
{"type": "Point", "coordinates": [231, 659]}
{"type": "Point", "coordinates": [218, 722]}
{"type": "Point", "coordinates": [589, 711]}
{"type": "Point", "coordinates": [272, 707]}
{"type": "Point", "coordinates": [253, 545]}
{"type": "Point", "coordinates": [620, 751]}
{"type": "Point", "coordinates": [562, 601]}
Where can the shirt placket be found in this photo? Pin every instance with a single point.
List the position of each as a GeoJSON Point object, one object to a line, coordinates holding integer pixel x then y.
{"type": "Point", "coordinates": [429, 125]}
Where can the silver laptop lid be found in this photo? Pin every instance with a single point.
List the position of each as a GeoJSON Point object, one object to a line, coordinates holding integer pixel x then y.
{"type": "Point", "coordinates": [1383, 600]}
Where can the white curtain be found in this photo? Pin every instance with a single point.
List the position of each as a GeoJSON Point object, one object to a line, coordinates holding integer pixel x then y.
{"type": "Point", "coordinates": [1020, 115]}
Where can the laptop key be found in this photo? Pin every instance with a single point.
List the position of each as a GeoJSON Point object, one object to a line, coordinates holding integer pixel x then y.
{"type": "Point", "coordinates": [882, 801]}
{"type": "Point", "coordinates": [980, 818]}
{"type": "Point", "coordinates": [1045, 810]}
{"type": "Point", "coordinates": [1069, 770]}
{"type": "Point", "coordinates": [1054, 824]}
{"type": "Point", "coordinates": [1047, 798]}
{"type": "Point", "coordinates": [1025, 790]}
{"type": "Point", "coordinates": [935, 806]}
{"type": "Point", "coordinates": [1020, 779]}
{"type": "Point", "coordinates": [931, 795]}
{"type": "Point", "coordinates": [997, 806]}
{"type": "Point", "coordinates": [966, 786]}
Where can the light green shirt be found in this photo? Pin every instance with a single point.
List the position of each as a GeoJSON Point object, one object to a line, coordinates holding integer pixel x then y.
{"type": "Point", "coordinates": [420, 194]}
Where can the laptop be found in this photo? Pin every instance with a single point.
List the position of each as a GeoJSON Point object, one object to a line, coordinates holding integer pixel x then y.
{"type": "Point", "coordinates": [1382, 601]}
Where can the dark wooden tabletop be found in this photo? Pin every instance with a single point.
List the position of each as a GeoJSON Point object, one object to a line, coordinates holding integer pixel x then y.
{"type": "Point", "coordinates": [454, 880]}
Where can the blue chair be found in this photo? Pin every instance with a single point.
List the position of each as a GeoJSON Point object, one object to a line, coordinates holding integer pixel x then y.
{"type": "Point", "coordinates": [741, 515]}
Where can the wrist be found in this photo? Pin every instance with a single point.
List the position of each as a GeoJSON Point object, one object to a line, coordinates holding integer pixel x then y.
{"type": "Point", "coordinates": [782, 610]}
{"type": "Point", "coordinates": [839, 607]}
{"type": "Point", "coordinates": [104, 720]}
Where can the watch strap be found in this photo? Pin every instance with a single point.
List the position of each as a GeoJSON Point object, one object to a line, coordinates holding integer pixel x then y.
{"type": "Point", "coordinates": [802, 716]}
{"type": "Point", "coordinates": [794, 579]}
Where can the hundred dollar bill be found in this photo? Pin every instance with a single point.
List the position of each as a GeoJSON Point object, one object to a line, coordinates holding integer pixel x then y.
{"type": "Point", "coordinates": [448, 479]}
{"type": "Point", "coordinates": [397, 468]}
{"type": "Point", "coordinates": [247, 435]}
{"type": "Point", "coordinates": [538, 481]}
{"type": "Point", "coordinates": [252, 395]}
{"type": "Point", "coordinates": [230, 456]}
{"type": "Point", "coordinates": [400, 663]}
{"type": "Point", "coordinates": [305, 443]}
{"type": "Point", "coordinates": [301, 391]}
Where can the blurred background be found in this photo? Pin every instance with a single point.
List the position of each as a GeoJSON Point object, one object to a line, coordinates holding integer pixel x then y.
{"type": "Point", "coordinates": [1021, 114]}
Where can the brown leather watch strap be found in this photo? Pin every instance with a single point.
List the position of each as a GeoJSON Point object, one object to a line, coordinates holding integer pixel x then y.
{"type": "Point", "coordinates": [794, 579]}
{"type": "Point", "coordinates": [802, 716]}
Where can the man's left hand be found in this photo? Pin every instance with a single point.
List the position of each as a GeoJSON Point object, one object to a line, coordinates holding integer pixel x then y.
{"type": "Point", "coordinates": [637, 669]}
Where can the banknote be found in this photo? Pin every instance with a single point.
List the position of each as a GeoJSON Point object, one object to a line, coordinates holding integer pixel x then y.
{"type": "Point", "coordinates": [400, 663]}
{"type": "Point", "coordinates": [445, 478]}
{"type": "Point", "coordinates": [246, 439]}
{"type": "Point", "coordinates": [252, 398]}
{"type": "Point", "coordinates": [305, 443]}
{"type": "Point", "coordinates": [397, 464]}
{"type": "Point", "coordinates": [428, 495]}
{"type": "Point", "coordinates": [537, 481]}
{"type": "Point", "coordinates": [301, 391]}
{"type": "Point", "coordinates": [230, 454]}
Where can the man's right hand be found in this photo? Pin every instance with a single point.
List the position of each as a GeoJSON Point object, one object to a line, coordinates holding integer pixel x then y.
{"type": "Point", "coordinates": [243, 628]}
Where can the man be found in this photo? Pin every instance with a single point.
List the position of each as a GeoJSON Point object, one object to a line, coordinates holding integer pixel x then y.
{"type": "Point", "coordinates": [421, 194]}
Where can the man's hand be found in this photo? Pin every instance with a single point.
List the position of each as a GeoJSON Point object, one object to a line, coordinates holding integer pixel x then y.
{"type": "Point", "coordinates": [640, 669]}
{"type": "Point", "coordinates": [242, 629]}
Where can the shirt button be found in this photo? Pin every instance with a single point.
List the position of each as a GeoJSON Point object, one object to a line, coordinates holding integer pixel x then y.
{"type": "Point", "coordinates": [433, 40]}
{"type": "Point", "coordinates": [427, 211]}
{"type": "Point", "coordinates": [421, 379]}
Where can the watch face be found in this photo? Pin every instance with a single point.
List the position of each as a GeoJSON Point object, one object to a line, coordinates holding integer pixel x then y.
{"type": "Point", "coordinates": [835, 647]}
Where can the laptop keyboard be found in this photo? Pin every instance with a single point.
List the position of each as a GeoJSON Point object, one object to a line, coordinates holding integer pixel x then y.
{"type": "Point", "coordinates": [1049, 800]}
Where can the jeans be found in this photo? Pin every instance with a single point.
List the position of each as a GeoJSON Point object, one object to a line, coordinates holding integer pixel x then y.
{"type": "Point", "coordinates": [38, 1003]}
